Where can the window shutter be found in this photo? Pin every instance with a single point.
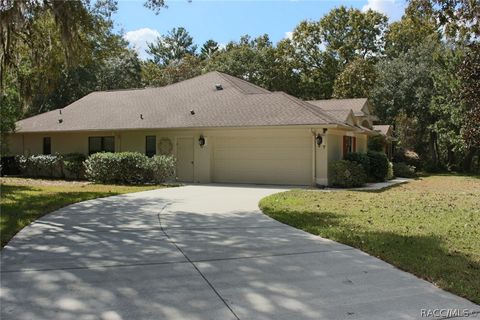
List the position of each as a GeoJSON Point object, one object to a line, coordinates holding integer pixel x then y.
{"type": "Point", "coordinates": [345, 145]}
{"type": "Point", "coordinates": [354, 144]}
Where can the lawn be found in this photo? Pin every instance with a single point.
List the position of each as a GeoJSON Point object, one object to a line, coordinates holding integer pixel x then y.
{"type": "Point", "coordinates": [429, 227]}
{"type": "Point", "coordinates": [24, 200]}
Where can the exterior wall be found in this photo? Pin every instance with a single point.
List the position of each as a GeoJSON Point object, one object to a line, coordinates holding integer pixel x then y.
{"type": "Point", "coordinates": [330, 150]}
{"type": "Point", "coordinates": [361, 143]}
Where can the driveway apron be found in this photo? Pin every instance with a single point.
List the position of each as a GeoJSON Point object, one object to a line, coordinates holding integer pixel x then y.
{"type": "Point", "coordinates": [198, 252]}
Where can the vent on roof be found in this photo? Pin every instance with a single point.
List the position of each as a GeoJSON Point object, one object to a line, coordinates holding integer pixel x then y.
{"type": "Point", "coordinates": [60, 120]}
{"type": "Point", "coordinates": [192, 112]}
{"type": "Point", "coordinates": [218, 86]}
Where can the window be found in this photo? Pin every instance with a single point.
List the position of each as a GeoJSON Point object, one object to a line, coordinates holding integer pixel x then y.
{"type": "Point", "coordinates": [47, 145]}
{"type": "Point", "coordinates": [150, 146]}
{"type": "Point", "coordinates": [349, 145]}
{"type": "Point", "coordinates": [99, 144]}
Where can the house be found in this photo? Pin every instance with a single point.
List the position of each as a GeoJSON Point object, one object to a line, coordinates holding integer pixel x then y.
{"type": "Point", "coordinates": [220, 128]}
{"type": "Point", "coordinates": [387, 131]}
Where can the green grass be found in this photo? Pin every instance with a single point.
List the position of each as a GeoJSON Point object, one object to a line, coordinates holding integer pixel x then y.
{"type": "Point", "coordinates": [429, 227]}
{"type": "Point", "coordinates": [25, 200]}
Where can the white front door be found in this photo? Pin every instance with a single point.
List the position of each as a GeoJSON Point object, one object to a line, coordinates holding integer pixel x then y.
{"type": "Point", "coordinates": [185, 159]}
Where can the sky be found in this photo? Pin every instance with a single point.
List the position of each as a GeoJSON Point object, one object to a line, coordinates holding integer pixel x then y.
{"type": "Point", "coordinates": [227, 20]}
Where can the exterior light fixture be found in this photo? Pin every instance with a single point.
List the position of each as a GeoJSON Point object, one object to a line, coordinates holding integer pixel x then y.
{"type": "Point", "coordinates": [319, 140]}
{"type": "Point", "coordinates": [201, 141]}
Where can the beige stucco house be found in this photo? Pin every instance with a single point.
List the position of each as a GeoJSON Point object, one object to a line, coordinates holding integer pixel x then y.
{"type": "Point", "coordinates": [220, 128]}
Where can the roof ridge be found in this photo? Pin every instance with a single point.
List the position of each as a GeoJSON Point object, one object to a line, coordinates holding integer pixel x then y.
{"type": "Point", "coordinates": [313, 109]}
{"type": "Point", "coordinates": [226, 75]}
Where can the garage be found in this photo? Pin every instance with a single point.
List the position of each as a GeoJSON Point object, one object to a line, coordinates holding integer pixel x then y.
{"type": "Point", "coordinates": [263, 160]}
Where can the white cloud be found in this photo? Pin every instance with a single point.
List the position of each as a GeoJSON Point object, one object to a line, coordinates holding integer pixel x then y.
{"type": "Point", "coordinates": [393, 9]}
{"type": "Point", "coordinates": [289, 35]}
{"type": "Point", "coordinates": [138, 40]}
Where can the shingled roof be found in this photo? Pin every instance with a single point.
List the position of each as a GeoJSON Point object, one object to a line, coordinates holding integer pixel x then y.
{"type": "Point", "coordinates": [356, 105]}
{"type": "Point", "coordinates": [192, 103]}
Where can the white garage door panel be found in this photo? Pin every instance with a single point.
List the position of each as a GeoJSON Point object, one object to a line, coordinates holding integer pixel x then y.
{"type": "Point", "coordinates": [277, 160]}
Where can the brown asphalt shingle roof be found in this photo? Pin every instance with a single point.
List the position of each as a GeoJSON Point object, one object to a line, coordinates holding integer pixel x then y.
{"type": "Point", "coordinates": [239, 104]}
{"type": "Point", "coordinates": [356, 105]}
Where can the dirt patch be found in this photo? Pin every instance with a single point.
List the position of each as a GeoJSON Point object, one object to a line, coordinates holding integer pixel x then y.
{"type": "Point", "coordinates": [41, 182]}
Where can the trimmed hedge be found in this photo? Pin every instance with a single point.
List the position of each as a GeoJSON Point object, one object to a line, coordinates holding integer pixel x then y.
{"type": "Point", "coordinates": [361, 158]}
{"type": "Point", "coordinates": [403, 170]}
{"type": "Point", "coordinates": [73, 165]}
{"type": "Point", "coordinates": [68, 166]}
{"type": "Point", "coordinates": [347, 174]}
{"type": "Point", "coordinates": [129, 168]}
{"type": "Point", "coordinates": [378, 165]}
{"type": "Point", "coordinates": [377, 143]}
{"type": "Point", "coordinates": [46, 166]}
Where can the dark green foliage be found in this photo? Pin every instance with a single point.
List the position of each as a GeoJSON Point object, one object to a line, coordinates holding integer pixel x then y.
{"type": "Point", "coordinates": [361, 158]}
{"type": "Point", "coordinates": [377, 143]}
{"type": "Point", "coordinates": [129, 168]}
{"type": "Point", "coordinates": [73, 165]}
{"type": "Point", "coordinates": [47, 166]}
{"type": "Point", "coordinates": [378, 165]}
{"type": "Point", "coordinates": [403, 170]}
{"type": "Point", "coordinates": [346, 174]}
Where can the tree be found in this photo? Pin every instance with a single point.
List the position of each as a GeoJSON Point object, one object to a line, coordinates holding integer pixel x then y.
{"type": "Point", "coordinates": [315, 67]}
{"type": "Point", "coordinates": [249, 59]}
{"type": "Point", "coordinates": [349, 33]}
{"type": "Point", "coordinates": [470, 95]}
{"type": "Point", "coordinates": [413, 29]}
{"type": "Point", "coordinates": [404, 86]}
{"type": "Point", "coordinates": [356, 80]}
{"type": "Point", "coordinates": [209, 48]}
{"type": "Point", "coordinates": [172, 47]}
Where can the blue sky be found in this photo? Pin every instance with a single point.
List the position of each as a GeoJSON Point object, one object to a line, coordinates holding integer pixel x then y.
{"type": "Point", "coordinates": [224, 21]}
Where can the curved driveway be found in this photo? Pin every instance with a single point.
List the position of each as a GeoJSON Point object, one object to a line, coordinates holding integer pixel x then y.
{"type": "Point", "coordinates": [197, 252]}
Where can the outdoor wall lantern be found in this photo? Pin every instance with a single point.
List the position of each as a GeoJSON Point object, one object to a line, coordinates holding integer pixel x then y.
{"type": "Point", "coordinates": [319, 140]}
{"type": "Point", "coordinates": [201, 141]}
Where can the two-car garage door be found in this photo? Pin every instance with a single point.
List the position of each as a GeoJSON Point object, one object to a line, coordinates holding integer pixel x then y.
{"type": "Point", "coordinates": [271, 159]}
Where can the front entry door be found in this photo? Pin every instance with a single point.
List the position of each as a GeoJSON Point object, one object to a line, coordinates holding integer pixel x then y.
{"type": "Point", "coordinates": [185, 159]}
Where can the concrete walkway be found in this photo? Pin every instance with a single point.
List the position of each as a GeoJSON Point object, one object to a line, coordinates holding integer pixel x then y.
{"type": "Point", "coordinates": [197, 252]}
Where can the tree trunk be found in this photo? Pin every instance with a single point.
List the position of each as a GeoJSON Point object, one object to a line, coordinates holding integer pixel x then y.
{"type": "Point", "coordinates": [433, 148]}
{"type": "Point", "coordinates": [467, 161]}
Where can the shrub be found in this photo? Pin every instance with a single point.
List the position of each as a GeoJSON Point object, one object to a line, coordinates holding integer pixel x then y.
{"type": "Point", "coordinates": [377, 143]}
{"type": "Point", "coordinates": [129, 168]}
{"type": "Point", "coordinates": [401, 169]}
{"type": "Point", "coordinates": [360, 158]}
{"type": "Point", "coordinates": [347, 174]}
{"type": "Point", "coordinates": [9, 166]}
{"type": "Point", "coordinates": [49, 166]}
{"type": "Point", "coordinates": [409, 157]}
{"type": "Point", "coordinates": [73, 165]}
{"type": "Point", "coordinates": [390, 173]}
{"type": "Point", "coordinates": [378, 165]}
{"type": "Point", "coordinates": [162, 168]}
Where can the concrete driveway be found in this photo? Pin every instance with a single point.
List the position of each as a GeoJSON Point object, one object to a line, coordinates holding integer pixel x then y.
{"type": "Point", "coordinates": [197, 252]}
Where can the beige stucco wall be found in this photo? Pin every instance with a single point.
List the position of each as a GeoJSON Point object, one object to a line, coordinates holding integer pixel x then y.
{"type": "Point", "coordinates": [317, 164]}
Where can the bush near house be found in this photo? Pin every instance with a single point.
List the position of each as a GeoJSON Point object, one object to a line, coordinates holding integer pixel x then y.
{"type": "Point", "coordinates": [347, 174]}
{"type": "Point", "coordinates": [68, 166]}
{"type": "Point", "coordinates": [360, 158]}
{"type": "Point", "coordinates": [47, 166]}
{"type": "Point", "coordinates": [375, 164]}
{"type": "Point", "coordinates": [129, 168]}
{"type": "Point", "coordinates": [377, 143]}
{"type": "Point", "coordinates": [403, 170]}
{"type": "Point", "coordinates": [378, 165]}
